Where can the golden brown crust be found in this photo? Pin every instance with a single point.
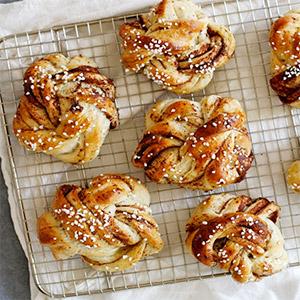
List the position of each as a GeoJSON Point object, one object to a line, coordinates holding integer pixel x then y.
{"type": "Point", "coordinates": [293, 176]}
{"type": "Point", "coordinates": [198, 145]}
{"type": "Point", "coordinates": [176, 46]}
{"type": "Point", "coordinates": [109, 224]}
{"type": "Point", "coordinates": [67, 109]}
{"type": "Point", "coordinates": [285, 58]}
{"type": "Point", "coordinates": [239, 235]}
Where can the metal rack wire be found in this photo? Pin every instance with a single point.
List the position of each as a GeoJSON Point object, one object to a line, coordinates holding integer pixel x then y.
{"type": "Point", "coordinates": [274, 130]}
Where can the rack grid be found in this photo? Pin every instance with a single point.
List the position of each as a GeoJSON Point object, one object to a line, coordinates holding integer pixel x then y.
{"type": "Point", "coordinates": [274, 130]}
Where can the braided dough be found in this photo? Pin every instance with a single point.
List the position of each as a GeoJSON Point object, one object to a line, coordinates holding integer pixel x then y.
{"type": "Point", "coordinates": [198, 145]}
{"type": "Point", "coordinates": [109, 224]}
{"type": "Point", "coordinates": [239, 235]}
{"type": "Point", "coordinates": [293, 176]}
{"type": "Point", "coordinates": [285, 58]}
{"type": "Point", "coordinates": [67, 110]}
{"type": "Point", "coordinates": [176, 46]}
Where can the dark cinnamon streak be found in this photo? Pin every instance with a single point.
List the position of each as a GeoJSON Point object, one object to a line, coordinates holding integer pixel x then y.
{"type": "Point", "coordinates": [286, 86]}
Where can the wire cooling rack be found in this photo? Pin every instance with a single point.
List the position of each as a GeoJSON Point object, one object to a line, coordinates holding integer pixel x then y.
{"type": "Point", "coordinates": [274, 129]}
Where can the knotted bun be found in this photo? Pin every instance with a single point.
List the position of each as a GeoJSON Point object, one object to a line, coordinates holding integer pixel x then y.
{"type": "Point", "coordinates": [293, 176]}
{"type": "Point", "coordinates": [199, 145]}
{"type": "Point", "coordinates": [67, 110]}
{"type": "Point", "coordinates": [176, 46]}
{"type": "Point", "coordinates": [239, 235]}
{"type": "Point", "coordinates": [285, 58]}
{"type": "Point", "coordinates": [109, 223]}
